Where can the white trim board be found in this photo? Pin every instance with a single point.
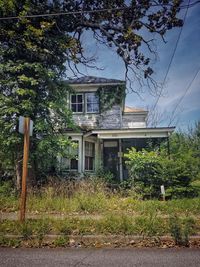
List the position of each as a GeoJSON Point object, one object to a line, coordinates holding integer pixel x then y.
{"type": "Point", "coordinates": [132, 133]}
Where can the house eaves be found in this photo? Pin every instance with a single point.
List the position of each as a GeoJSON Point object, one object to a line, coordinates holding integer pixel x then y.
{"type": "Point", "coordinates": [132, 133]}
{"type": "Point", "coordinates": [86, 80]}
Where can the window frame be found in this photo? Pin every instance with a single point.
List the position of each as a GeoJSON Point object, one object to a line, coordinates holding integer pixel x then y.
{"type": "Point", "coordinates": [68, 160]}
{"type": "Point", "coordinates": [90, 157]}
{"type": "Point", "coordinates": [83, 103]}
{"type": "Point", "coordinates": [86, 102]}
{"type": "Point", "coordinates": [77, 156]}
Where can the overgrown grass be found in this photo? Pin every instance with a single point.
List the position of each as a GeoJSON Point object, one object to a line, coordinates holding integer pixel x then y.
{"type": "Point", "coordinates": [110, 224]}
{"type": "Point", "coordinates": [94, 198]}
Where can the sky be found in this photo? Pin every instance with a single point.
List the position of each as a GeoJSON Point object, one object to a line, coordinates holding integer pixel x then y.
{"type": "Point", "coordinates": [185, 64]}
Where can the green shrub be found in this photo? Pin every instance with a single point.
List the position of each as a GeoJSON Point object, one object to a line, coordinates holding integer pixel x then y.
{"type": "Point", "coordinates": [150, 170]}
{"type": "Point", "coordinates": [145, 171]}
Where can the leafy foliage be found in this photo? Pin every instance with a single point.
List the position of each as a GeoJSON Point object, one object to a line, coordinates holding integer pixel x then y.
{"type": "Point", "coordinates": [150, 170]}
{"type": "Point", "coordinates": [186, 148]}
{"type": "Point", "coordinates": [35, 53]}
{"type": "Point", "coordinates": [32, 64]}
{"type": "Point", "coordinates": [145, 171]}
{"type": "Point", "coordinates": [110, 95]}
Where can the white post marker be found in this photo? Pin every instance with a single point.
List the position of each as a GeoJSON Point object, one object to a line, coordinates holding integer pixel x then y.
{"type": "Point", "coordinates": [162, 188]}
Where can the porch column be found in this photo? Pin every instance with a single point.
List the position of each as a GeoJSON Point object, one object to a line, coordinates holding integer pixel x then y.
{"type": "Point", "coordinates": [120, 161]}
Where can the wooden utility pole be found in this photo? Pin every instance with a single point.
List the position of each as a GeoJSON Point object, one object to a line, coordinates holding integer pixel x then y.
{"type": "Point", "coordinates": [25, 168]}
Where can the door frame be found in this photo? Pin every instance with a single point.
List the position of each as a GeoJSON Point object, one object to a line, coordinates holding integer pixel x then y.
{"type": "Point", "coordinates": [111, 141]}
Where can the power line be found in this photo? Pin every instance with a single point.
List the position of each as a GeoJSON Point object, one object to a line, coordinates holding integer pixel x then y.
{"type": "Point", "coordinates": [171, 60]}
{"type": "Point", "coordinates": [87, 11]}
{"type": "Point", "coordinates": [181, 99]}
{"type": "Point", "coordinates": [62, 13]}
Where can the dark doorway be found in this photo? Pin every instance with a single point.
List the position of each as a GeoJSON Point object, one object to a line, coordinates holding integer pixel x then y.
{"type": "Point", "coordinates": [110, 157]}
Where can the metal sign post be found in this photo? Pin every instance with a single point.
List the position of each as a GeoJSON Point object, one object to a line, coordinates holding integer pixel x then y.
{"type": "Point", "coordinates": [26, 131]}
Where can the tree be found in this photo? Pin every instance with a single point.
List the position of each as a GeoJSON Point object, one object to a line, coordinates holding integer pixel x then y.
{"type": "Point", "coordinates": [37, 49]}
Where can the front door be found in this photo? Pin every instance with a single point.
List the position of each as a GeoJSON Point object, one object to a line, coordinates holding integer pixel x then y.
{"type": "Point", "coordinates": [110, 157]}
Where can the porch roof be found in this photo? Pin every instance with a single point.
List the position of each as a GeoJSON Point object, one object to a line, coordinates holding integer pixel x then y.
{"type": "Point", "coordinates": [131, 133]}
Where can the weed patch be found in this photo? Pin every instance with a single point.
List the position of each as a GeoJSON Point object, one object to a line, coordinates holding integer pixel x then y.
{"type": "Point", "coordinates": [61, 241]}
{"type": "Point", "coordinates": [181, 229]}
{"type": "Point", "coordinates": [8, 242]}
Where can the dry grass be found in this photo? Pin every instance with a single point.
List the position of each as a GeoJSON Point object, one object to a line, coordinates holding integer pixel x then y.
{"type": "Point", "coordinates": [92, 197]}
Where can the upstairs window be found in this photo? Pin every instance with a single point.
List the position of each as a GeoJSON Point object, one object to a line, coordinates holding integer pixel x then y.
{"type": "Point", "coordinates": [77, 103]}
{"type": "Point", "coordinates": [92, 103]}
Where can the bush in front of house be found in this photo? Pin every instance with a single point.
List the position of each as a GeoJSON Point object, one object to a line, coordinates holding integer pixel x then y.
{"type": "Point", "coordinates": [144, 172]}
{"type": "Point", "coordinates": [149, 170]}
{"type": "Point", "coordinates": [177, 178]}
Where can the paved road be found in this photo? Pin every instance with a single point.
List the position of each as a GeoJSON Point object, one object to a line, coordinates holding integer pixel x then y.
{"type": "Point", "coordinates": [99, 257]}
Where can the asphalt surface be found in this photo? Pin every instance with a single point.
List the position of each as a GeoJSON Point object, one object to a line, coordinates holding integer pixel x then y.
{"type": "Point", "coordinates": [134, 257]}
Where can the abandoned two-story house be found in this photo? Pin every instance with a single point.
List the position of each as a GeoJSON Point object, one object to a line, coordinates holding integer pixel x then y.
{"type": "Point", "coordinates": [107, 127]}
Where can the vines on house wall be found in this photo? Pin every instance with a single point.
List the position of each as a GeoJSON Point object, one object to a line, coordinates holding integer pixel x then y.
{"type": "Point", "coordinates": [110, 95]}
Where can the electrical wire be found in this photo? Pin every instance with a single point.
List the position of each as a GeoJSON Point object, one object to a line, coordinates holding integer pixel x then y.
{"type": "Point", "coordinates": [170, 63]}
{"type": "Point", "coordinates": [61, 13]}
{"type": "Point", "coordinates": [88, 11]}
{"type": "Point", "coordinates": [181, 99]}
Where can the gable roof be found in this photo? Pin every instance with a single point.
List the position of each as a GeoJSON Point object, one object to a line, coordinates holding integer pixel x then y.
{"type": "Point", "coordinates": [133, 110]}
{"type": "Point", "coordinates": [93, 80]}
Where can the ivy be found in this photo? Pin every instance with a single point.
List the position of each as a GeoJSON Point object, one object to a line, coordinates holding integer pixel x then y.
{"type": "Point", "coordinates": [110, 95]}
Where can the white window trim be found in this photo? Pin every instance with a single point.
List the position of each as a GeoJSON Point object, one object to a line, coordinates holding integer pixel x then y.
{"type": "Point", "coordinates": [90, 112]}
{"type": "Point", "coordinates": [83, 103]}
{"type": "Point", "coordinates": [94, 163]}
{"type": "Point", "coordinates": [93, 157]}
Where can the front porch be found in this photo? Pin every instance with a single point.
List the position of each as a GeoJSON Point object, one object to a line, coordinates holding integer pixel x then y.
{"type": "Point", "coordinates": [105, 149]}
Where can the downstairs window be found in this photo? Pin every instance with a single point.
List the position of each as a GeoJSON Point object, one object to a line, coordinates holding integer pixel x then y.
{"type": "Point", "coordinates": [89, 156]}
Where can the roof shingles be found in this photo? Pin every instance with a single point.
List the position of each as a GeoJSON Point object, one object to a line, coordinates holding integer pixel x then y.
{"type": "Point", "coordinates": [93, 80]}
